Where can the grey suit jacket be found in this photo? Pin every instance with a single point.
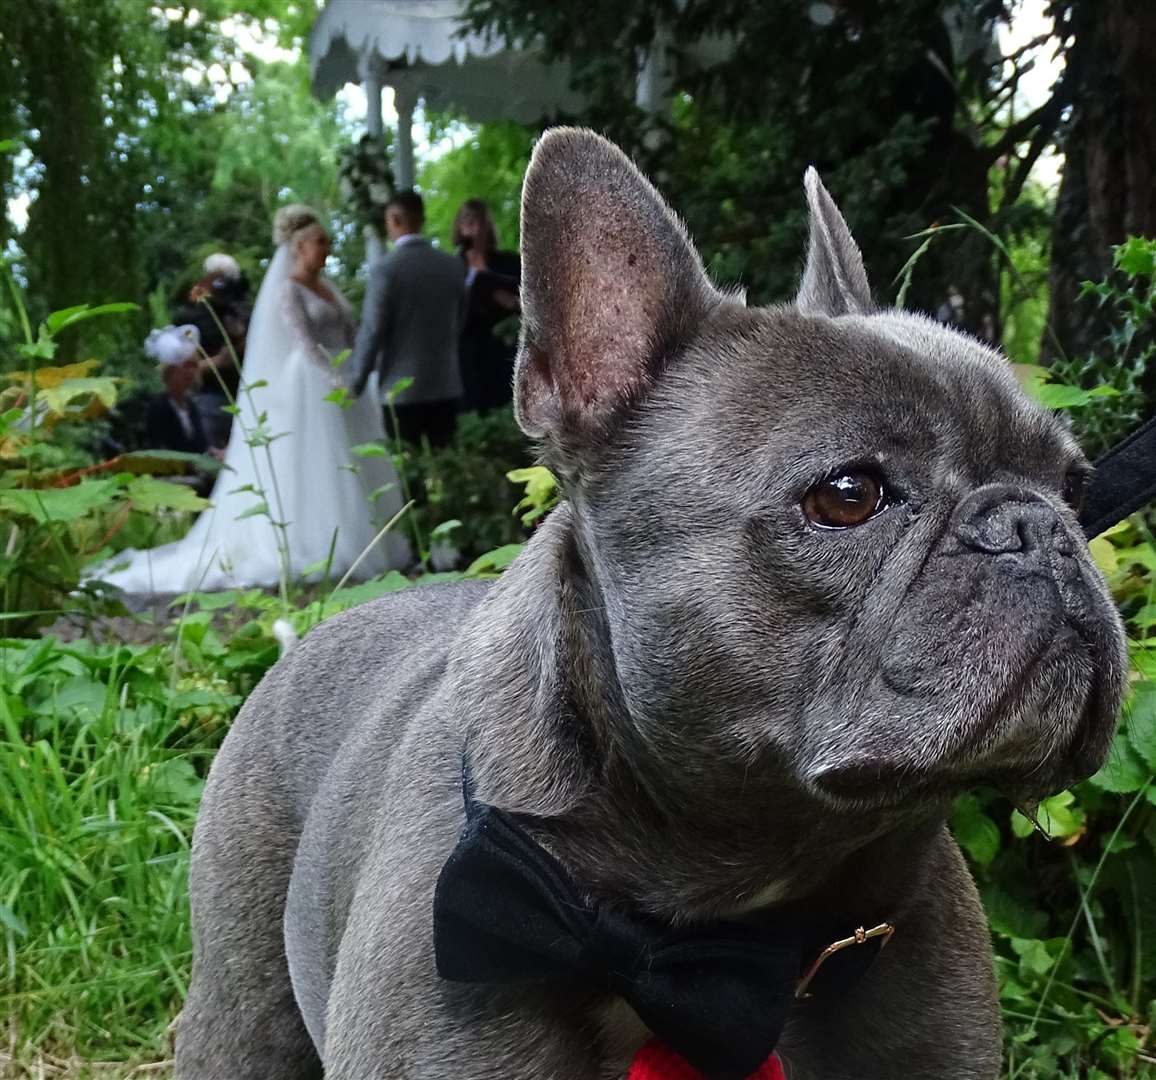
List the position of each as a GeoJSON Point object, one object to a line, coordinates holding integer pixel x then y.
{"type": "Point", "coordinates": [410, 324]}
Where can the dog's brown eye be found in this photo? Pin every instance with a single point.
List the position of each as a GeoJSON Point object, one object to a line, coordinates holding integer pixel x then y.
{"type": "Point", "coordinates": [844, 500]}
{"type": "Point", "coordinates": [1075, 485]}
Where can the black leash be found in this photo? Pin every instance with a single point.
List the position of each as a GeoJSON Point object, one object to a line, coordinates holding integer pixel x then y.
{"type": "Point", "coordinates": [1124, 481]}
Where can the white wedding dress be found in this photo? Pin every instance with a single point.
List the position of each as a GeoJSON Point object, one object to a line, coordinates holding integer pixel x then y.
{"type": "Point", "coordinates": [291, 497]}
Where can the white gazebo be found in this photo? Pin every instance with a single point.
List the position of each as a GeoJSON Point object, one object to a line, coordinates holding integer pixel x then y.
{"type": "Point", "coordinates": [417, 48]}
{"type": "Point", "coordinates": [421, 49]}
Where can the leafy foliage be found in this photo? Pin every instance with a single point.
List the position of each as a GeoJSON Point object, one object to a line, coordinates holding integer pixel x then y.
{"type": "Point", "coordinates": [1125, 358]}
{"type": "Point", "coordinates": [367, 180]}
{"type": "Point", "coordinates": [488, 163]}
{"type": "Point", "coordinates": [902, 106]}
{"type": "Point", "coordinates": [158, 141]}
{"type": "Point", "coordinates": [467, 482]}
{"type": "Point", "coordinates": [57, 507]}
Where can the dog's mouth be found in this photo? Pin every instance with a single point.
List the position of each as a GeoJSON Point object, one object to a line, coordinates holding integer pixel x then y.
{"type": "Point", "coordinates": [1049, 727]}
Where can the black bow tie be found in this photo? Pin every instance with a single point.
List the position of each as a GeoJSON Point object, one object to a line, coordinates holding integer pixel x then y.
{"type": "Point", "coordinates": [505, 911]}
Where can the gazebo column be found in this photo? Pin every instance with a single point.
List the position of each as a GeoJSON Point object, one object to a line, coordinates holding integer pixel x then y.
{"type": "Point", "coordinates": [373, 124]}
{"type": "Point", "coordinates": [374, 127]}
{"type": "Point", "coordinates": [404, 101]}
{"type": "Point", "coordinates": [652, 91]}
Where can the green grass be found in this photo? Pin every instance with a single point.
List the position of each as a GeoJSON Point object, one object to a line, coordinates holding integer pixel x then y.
{"type": "Point", "coordinates": [101, 757]}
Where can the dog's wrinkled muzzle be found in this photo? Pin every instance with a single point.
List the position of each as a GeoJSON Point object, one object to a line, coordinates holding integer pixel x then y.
{"type": "Point", "coordinates": [1003, 664]}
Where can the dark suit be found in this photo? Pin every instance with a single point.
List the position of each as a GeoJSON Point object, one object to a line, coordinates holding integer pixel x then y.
{"type": "Point", "coordinates": [164, 430]}
{"type": "Point", "coordinates": [410, 324]}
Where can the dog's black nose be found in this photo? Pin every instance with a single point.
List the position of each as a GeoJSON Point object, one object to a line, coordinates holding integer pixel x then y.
{"type": "Point", "coordinates": [1001, 519]}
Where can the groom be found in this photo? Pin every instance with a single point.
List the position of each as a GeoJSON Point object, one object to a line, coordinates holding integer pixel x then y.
{"type": "Point", "coordinates": [410, 324]}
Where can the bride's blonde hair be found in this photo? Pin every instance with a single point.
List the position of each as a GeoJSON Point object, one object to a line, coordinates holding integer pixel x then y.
{"type": "Point", "coordinates": [290, 220]}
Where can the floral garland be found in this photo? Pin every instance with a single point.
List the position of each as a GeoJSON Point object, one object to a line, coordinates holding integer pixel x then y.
{"type": "Point", "coordinates": [366, 180]}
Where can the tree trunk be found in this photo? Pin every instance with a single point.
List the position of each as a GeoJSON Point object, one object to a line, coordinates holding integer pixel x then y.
{"type": "Point", "coordinates": [1108, 190]}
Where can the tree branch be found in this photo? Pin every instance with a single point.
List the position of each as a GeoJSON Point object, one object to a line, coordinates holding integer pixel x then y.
{"type": "Point", "coordinates": [1040, 140]}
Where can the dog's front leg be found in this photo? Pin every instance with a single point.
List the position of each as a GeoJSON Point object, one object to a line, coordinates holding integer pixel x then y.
{"type": "Point", "coordinates": [927, 1008]}
{"type": "Point", "coordinates": [390, 1017]}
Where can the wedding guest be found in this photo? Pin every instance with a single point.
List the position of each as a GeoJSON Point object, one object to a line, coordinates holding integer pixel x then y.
{"type": "Point", "coordinates": [410, 324]}
{"type": "Point", "coordinates": [492, 281]}
{"type": "Point", "coordinates": [172, 419]}
{"type": "Point", "coordinates": [218, 306]}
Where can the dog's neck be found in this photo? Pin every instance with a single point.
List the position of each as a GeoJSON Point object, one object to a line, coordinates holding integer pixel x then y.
{"type": "Point", "coordinates": [549, 734]}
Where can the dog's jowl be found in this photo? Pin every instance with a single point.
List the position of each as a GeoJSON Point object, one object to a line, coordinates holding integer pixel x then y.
{"type": "Point", "coordinates": [817, 571]}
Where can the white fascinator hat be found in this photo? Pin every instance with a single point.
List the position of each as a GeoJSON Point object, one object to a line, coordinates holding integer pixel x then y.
{"type": "Point", "coordinates": [173, 344]}
{"type": "Point", "coordinates": [221, 265]}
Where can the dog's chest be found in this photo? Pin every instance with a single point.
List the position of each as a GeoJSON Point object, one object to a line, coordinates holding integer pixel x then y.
{"type": "Point", "coordinates": [622, 1035]}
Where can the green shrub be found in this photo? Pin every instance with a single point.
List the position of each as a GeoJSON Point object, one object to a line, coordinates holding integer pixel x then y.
{"type": "Point", "coordinates": [59, 507]}
{"type": "Point", "coordinates": [1124, 361]}
{"type": "Point", "coordinates": [467, 482]}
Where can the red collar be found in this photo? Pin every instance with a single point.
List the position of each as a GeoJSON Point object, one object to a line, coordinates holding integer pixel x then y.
{"type": "Point", "coordinates": [656, 1062]}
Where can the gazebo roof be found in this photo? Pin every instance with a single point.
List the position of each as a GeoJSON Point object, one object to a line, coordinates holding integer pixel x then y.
{"type": "Point", "coordinates": [418, 48]}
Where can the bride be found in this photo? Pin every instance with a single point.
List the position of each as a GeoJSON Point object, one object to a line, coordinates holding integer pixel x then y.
{"type": "Point", "coordinates": [291, 500]}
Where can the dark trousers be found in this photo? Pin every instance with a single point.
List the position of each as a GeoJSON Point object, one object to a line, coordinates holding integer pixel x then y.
{"type": "Point", "coordinates": [432, 420]}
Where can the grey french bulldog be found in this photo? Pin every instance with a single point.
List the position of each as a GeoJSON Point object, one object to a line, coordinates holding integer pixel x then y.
{"type": "Point", "coordinates": [817, 570]}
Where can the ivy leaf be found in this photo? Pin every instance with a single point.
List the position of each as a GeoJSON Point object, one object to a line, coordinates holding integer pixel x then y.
{"type": "Point", "coordinates": [60, 504]}
{"type": "Point", "coordinates": [1136, 257]}
{"type": "Point", "coordinates": [340, 397]}
{"type": "Point", "coordinates": [444, 529]}
{"type": "Point", "coordinates": [1124, 771]}
{"type": "Point", "coordinates": [368, 449]}
{"type": "Point", "coordinates": [1103, 553]}
{"type": "Point", "coordinates": [1059, 818]}
{"type": "Point", "coordinates": [1140, 722]}
{"type": "Point", "coordinates": [254, 511]}
{"type": "Point", "coordinates": [974, 831]}
{"type": "Point", "coordinates": [493, 561]}
{"type": "Point", "coordinates": [1034, 955]}
{"type": "Point", "coordinates": [58, 320]}
{"type": "Point", "coordinates": [65, 395]}
{"type": "Point", "coordinates": [174, 782]}
{"type": "Point", "coordinates": [1059, 396]}
{"type": "Point", "coordinates": [44, 348]}
{"type": "Point", "coordinates": [147, 493]}
{"type": "Point", "coordinates": [1009, 917]}
{"type": "Point", "coordinates": [399, 387]}
{"type": "Point", "coordinates": [541, 492]}
{"type": "Point", "coordinates": [54, 376]}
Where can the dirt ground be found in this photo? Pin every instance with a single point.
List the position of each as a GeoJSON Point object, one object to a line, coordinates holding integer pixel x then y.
{"type": "Point", "coordinates": [45, 1067]}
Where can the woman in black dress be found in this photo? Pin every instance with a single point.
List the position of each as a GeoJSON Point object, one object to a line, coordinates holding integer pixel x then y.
{"type": "Point", "coordinates": [492, 281]}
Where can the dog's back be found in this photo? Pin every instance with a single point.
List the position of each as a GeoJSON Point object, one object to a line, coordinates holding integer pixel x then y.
{"type": "Point", "coordinates": [275, 798]}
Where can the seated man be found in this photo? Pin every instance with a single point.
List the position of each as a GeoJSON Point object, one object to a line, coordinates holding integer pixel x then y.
{"type": "Point", "coordinates": [172, 421]}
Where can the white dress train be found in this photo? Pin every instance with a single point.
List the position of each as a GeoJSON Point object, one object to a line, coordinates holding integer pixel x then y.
{"type": "Point", "coordinates": [291, 496]}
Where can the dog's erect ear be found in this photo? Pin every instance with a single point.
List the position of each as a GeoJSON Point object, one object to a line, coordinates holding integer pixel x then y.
{"type": "Point", "coordinates": [611, 285]}
{"type": "Point", "coordinates": [834, 282]}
